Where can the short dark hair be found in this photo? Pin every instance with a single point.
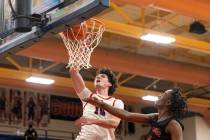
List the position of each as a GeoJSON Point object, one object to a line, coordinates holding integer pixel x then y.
{"type": "Point", "coordinates": [30, 125]}
{"type": "Point", "coordinates": [112, 79]}
{"type": "Point", "coordinates": [178, 105]}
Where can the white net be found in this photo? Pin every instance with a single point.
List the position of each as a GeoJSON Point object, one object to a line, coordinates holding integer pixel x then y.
{"type": "Point", "coordinates": [81, 41]}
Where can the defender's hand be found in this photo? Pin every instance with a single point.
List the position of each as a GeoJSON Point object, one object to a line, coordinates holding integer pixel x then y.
{"type": "Point", "coordinates": [94, 101]}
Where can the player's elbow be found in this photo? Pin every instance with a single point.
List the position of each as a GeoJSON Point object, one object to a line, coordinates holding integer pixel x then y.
{"type": "Point", "coordinates": [115, 124]}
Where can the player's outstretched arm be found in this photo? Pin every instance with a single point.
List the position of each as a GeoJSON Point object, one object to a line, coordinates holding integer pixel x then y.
{"type": "Point", "coordinates": [79, 84]}
{"type": "Point", "coordinates": [123, 114]}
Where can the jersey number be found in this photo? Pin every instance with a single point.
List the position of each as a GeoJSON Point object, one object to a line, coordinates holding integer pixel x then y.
{"type": "Point", "coordinates": [100, 111]}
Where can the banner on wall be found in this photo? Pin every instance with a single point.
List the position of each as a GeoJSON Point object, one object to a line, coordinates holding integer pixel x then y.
{"type": "Point", "coordinates": [21, 107]}
{"type": "Point", "coordinates": [65, 108]}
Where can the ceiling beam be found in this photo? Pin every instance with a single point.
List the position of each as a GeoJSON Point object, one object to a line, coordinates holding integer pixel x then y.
{"type": "Point", "coordinates": [123, 14]}
{"type": "Point", "coordinates": [204, 111]}
{"type": "Point", "coordinates": [49, 67]}
{"type": "Point", "coordinates": [136, 32]}
{"type": "Point", "coordinates": [199, 102]}
{"type": "Point", "coordinates": [152, 84]}
{"type": "Point", "coordinates": [186, 93]}
{"type": "Point", "coordinates": [125, 62]}
{"type": "Point", "coordinates": [162, 21]}
{"type": "Point", "coordinates": [198, 9]}
{"type": "Point", "coordinates": [13, 62]}
{"type": "Point", "coordinates": [127, 79]}
{"type": "Point", "coordinates": [119, 75]}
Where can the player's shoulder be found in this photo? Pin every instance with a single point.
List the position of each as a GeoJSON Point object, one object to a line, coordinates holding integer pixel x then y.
{"type": "Point", "coordinates": [175, 123]}
{"type": "Point", "coordinates": [118, 100]}
{"type": "Point", "coordinates": [118, 103]}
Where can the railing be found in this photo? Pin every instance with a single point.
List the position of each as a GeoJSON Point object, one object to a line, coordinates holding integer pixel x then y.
{"type": "Point", "coordinates": [42, 133]}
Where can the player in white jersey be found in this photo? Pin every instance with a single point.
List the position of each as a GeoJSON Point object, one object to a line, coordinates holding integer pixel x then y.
{"type": "Point", "coordinates": [96, 123]}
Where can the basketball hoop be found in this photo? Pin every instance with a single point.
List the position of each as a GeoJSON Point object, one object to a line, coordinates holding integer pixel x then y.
{"type": "Point", "coordinates": [80, 41]}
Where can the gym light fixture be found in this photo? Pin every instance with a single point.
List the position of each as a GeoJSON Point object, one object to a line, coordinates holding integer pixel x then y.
{"type": "Point", "coordinates": [39, 80]}
{"type": "Point", "coordinates": [150, 98]}
{"type": "Point", "coordinates": [158, 38]}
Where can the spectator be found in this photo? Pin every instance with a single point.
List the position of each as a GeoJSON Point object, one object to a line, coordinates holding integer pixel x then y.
{"type": "Point", "coordinates": [30, 133]}
{"type": "Point", "coordinates": [31, 108]}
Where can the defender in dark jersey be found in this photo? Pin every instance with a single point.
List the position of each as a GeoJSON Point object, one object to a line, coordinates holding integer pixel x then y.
{"type": "Point", "coordinates": [165, 124]}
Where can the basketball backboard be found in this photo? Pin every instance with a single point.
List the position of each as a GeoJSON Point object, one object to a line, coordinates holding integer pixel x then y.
{"type": "Point", "coordinates": [60, 13]}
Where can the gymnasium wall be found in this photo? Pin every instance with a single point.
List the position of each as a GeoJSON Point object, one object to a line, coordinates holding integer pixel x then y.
{"type": "Point", "coordinates": [202, 129]}
{"type": "Point", "coordinates": [189, 128]}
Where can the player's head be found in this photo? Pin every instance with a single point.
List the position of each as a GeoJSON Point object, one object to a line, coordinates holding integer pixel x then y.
{"type": "Point", "coordinates": [30, 125]}
{"type": "Point", "coordinates": [106, 78]}
{"type": "Point", "coordinates": [173, 101]}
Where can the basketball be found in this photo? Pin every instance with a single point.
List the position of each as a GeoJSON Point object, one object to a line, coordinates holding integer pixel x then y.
{"type": "Point", "coordinates": [76, 32]}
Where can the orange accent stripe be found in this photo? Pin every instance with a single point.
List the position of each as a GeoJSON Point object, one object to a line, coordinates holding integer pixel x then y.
{"type": "Point", "coordinates": [105, 98]}
{"type": "Point", "coordinates": [91, 95]}
{"type": "Point", "coordinates": [114, 102]}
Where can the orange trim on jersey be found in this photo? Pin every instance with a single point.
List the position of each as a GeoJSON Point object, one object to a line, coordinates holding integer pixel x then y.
{"type": "Point", "coordinates": [109, 97]}
{"type": "Point", "coordinates": [84, 105]}
{"type": "Point", "coordinates": [88, 97]}
{"type": "Point", "coordinates": [91, 95]}
{"type": "Point", "coordinates": [114, 102]}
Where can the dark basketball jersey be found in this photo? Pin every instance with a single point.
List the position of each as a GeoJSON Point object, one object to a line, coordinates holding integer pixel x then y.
{"type": "Point", "coordinates": [157, 130]}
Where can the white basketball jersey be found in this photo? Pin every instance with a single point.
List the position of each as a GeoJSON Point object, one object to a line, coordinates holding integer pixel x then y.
{"type": "Point", "coordinates": [96, 132]}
